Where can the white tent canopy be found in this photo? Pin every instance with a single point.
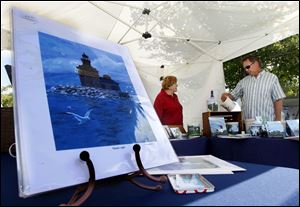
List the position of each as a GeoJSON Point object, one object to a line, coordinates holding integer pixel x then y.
{"type": "Point", "coordinates": [191, 39]}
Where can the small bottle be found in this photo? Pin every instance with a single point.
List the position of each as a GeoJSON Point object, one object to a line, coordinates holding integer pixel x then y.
{"type": "Point", "coordinates": [212, 102]}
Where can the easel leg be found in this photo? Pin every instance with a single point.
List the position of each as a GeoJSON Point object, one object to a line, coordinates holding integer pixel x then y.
{"type": "Point", "coordinates": [85, 189]}
{"type": "Point", "coordinates": [160, 179]}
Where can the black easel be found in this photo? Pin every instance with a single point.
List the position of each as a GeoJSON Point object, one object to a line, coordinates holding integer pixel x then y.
{"type": "Point", "coordinates": [8, 70]}
{"type": "Point", "coordinates": [142, 171]}
{"type": "Point", "coordinates": [85, 189]}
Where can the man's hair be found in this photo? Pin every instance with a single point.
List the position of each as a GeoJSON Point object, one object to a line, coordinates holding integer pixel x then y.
{"type": "Point", "coordinates": [252, 59]}
{"type": "Point", "coordinates": [168, 81]}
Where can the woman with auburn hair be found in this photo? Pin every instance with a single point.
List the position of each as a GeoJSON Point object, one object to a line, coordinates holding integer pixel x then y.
{"type": "Point", "coordinates": [167, 105]}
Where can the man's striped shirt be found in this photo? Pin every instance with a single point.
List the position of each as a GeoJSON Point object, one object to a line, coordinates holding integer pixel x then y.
{"type": "Point", "coordinates": [258, 95]}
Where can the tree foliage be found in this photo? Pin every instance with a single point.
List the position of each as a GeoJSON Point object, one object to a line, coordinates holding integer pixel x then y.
{"type": "Point", "coordinates": [280, 58]}
{"type": "Point", "coordinates": [6, 96]}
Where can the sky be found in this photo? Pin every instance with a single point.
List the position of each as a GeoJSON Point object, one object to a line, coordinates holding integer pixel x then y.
{"type": "Point", "coordinates": [5, 59]}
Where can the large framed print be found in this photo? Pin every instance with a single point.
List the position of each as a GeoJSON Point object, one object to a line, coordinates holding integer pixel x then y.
{"type": "Point", "coordinates": [75, 92]}
{"type": "Point", "coordinates": [200, 164]}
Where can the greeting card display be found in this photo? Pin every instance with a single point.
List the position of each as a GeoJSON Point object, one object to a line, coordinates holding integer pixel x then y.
{"type": "Point", "coordinates": [217, 126]}
{"type": "Point", "coordinates": [275, 129]}
{"type": "Point", "coordinates": [292, 127]}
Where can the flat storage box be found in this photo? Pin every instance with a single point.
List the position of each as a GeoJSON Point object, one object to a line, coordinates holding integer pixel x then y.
{"type": "Point", "coordinates": [228, 116]}
{"type": "Point", "coordinates": [7, 128]}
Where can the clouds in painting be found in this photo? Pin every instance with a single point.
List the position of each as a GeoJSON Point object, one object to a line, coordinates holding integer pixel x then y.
{"type": "Point", "coordinates": [62, 56]}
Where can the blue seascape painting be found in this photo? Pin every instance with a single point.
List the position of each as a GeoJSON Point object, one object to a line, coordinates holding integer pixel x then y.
{"type": "Point", "coordinates": [91, 99]}
{"type": "Point", "coordinates": [217, 126]}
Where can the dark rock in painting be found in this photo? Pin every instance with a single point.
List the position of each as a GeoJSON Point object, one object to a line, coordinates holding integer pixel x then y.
{"type": "Point", "coordinates": [90, 77]}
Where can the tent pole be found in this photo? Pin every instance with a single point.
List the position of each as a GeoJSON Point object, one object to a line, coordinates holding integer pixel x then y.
{"type": "Point", "coordinates": [192, 60]}
{"type": "Point", "coordinates": [136, 22]}
{"type": "Point", "coordinates": [159, 6]}
{"type": "Point", "coordinates": [110, 14]}
{"type": "Point", "coordinates": [188, 39]}
{"type": "Point", "coordinates": [201, 49]}
{"type": "Point", "coordinates": [5, 39]}
{"type": "Point", "coordinates": [242, 47]}
{"type": "Point", "coordinates": [129, 41]}
{"type": "Point", "coordinates": [165, 14]}
{"type": "Point", "coordinates": [129, 28]}
{"type": "Point", "coordinates": [146, 22]}
{"type": "Point", "coordinates": [245, 38]}
{"type": "Point", "coordinates": [121, 4]}
{"type": "Point", "coordinates": [195, 45]}
{"type": "Point", "coordinates": [266, 34]}
{"type": "Point", "coordinates": [135, 7]}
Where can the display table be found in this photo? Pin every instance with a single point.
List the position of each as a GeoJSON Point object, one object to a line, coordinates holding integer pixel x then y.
{"type": "Point", "coordinates": [268, 151]}
{"type": "Point", "coordinates": [259, 185]}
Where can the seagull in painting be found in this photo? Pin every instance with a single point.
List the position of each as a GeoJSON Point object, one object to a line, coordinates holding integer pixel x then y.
{"type": "Point", "coordinates": [81, 119]}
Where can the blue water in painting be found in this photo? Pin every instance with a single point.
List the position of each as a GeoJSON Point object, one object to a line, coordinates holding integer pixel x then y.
{"type": "Point", "coordinates": [113, 119]}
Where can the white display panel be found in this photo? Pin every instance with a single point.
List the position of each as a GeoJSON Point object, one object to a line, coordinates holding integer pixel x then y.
{"type": "Point", "coordinates": [75, 92]}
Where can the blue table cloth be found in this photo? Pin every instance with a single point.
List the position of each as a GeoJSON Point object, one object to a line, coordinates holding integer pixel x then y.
{"type": "Point", "coordinates": [259, 185]}
{"type": "Point", "coordinates": [268, 151]}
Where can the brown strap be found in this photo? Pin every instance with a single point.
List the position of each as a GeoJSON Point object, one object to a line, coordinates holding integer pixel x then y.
{"type": "Point", "coordinates": [160, 179]}
{"type": "Point", "coordinates": [86, 189]}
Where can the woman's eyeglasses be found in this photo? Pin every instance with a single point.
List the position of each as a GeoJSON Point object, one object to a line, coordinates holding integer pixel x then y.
{"type": "Point", "coordinates": [248, 66]}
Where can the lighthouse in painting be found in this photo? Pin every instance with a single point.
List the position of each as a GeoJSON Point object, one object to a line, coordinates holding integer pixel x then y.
{"type": "Point", "coordinates": [90, 77]}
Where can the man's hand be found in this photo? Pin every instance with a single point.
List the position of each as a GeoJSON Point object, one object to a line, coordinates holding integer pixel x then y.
{"type": "Point", "coordinates": [225, 95]}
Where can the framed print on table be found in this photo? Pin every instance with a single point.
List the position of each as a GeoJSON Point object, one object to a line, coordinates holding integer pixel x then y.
{"type": "Point", "coordinates": [275, 129]}
{"type": "Point", "coordinates": [75, 92]}
{"type": "Point", "coordinates": [292, 127]}
{"type": "Point", "coordinates": [217, 126]}
{"type": "Point", "coordinates": [198, 164]}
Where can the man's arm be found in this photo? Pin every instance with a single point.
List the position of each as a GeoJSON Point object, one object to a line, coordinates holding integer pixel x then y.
{"type": "Point", "coordinates": [277, 96]}
{"type": "Point", "coordinates": [225, 95]}
{"type": "Point", "coordinates": [235, 94]}
{"type": "Point", "coordinates": [278, 108]}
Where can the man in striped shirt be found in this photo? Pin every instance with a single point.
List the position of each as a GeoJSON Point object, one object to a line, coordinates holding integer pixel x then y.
{"type": "Point", "coordinates": [260, 92]}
